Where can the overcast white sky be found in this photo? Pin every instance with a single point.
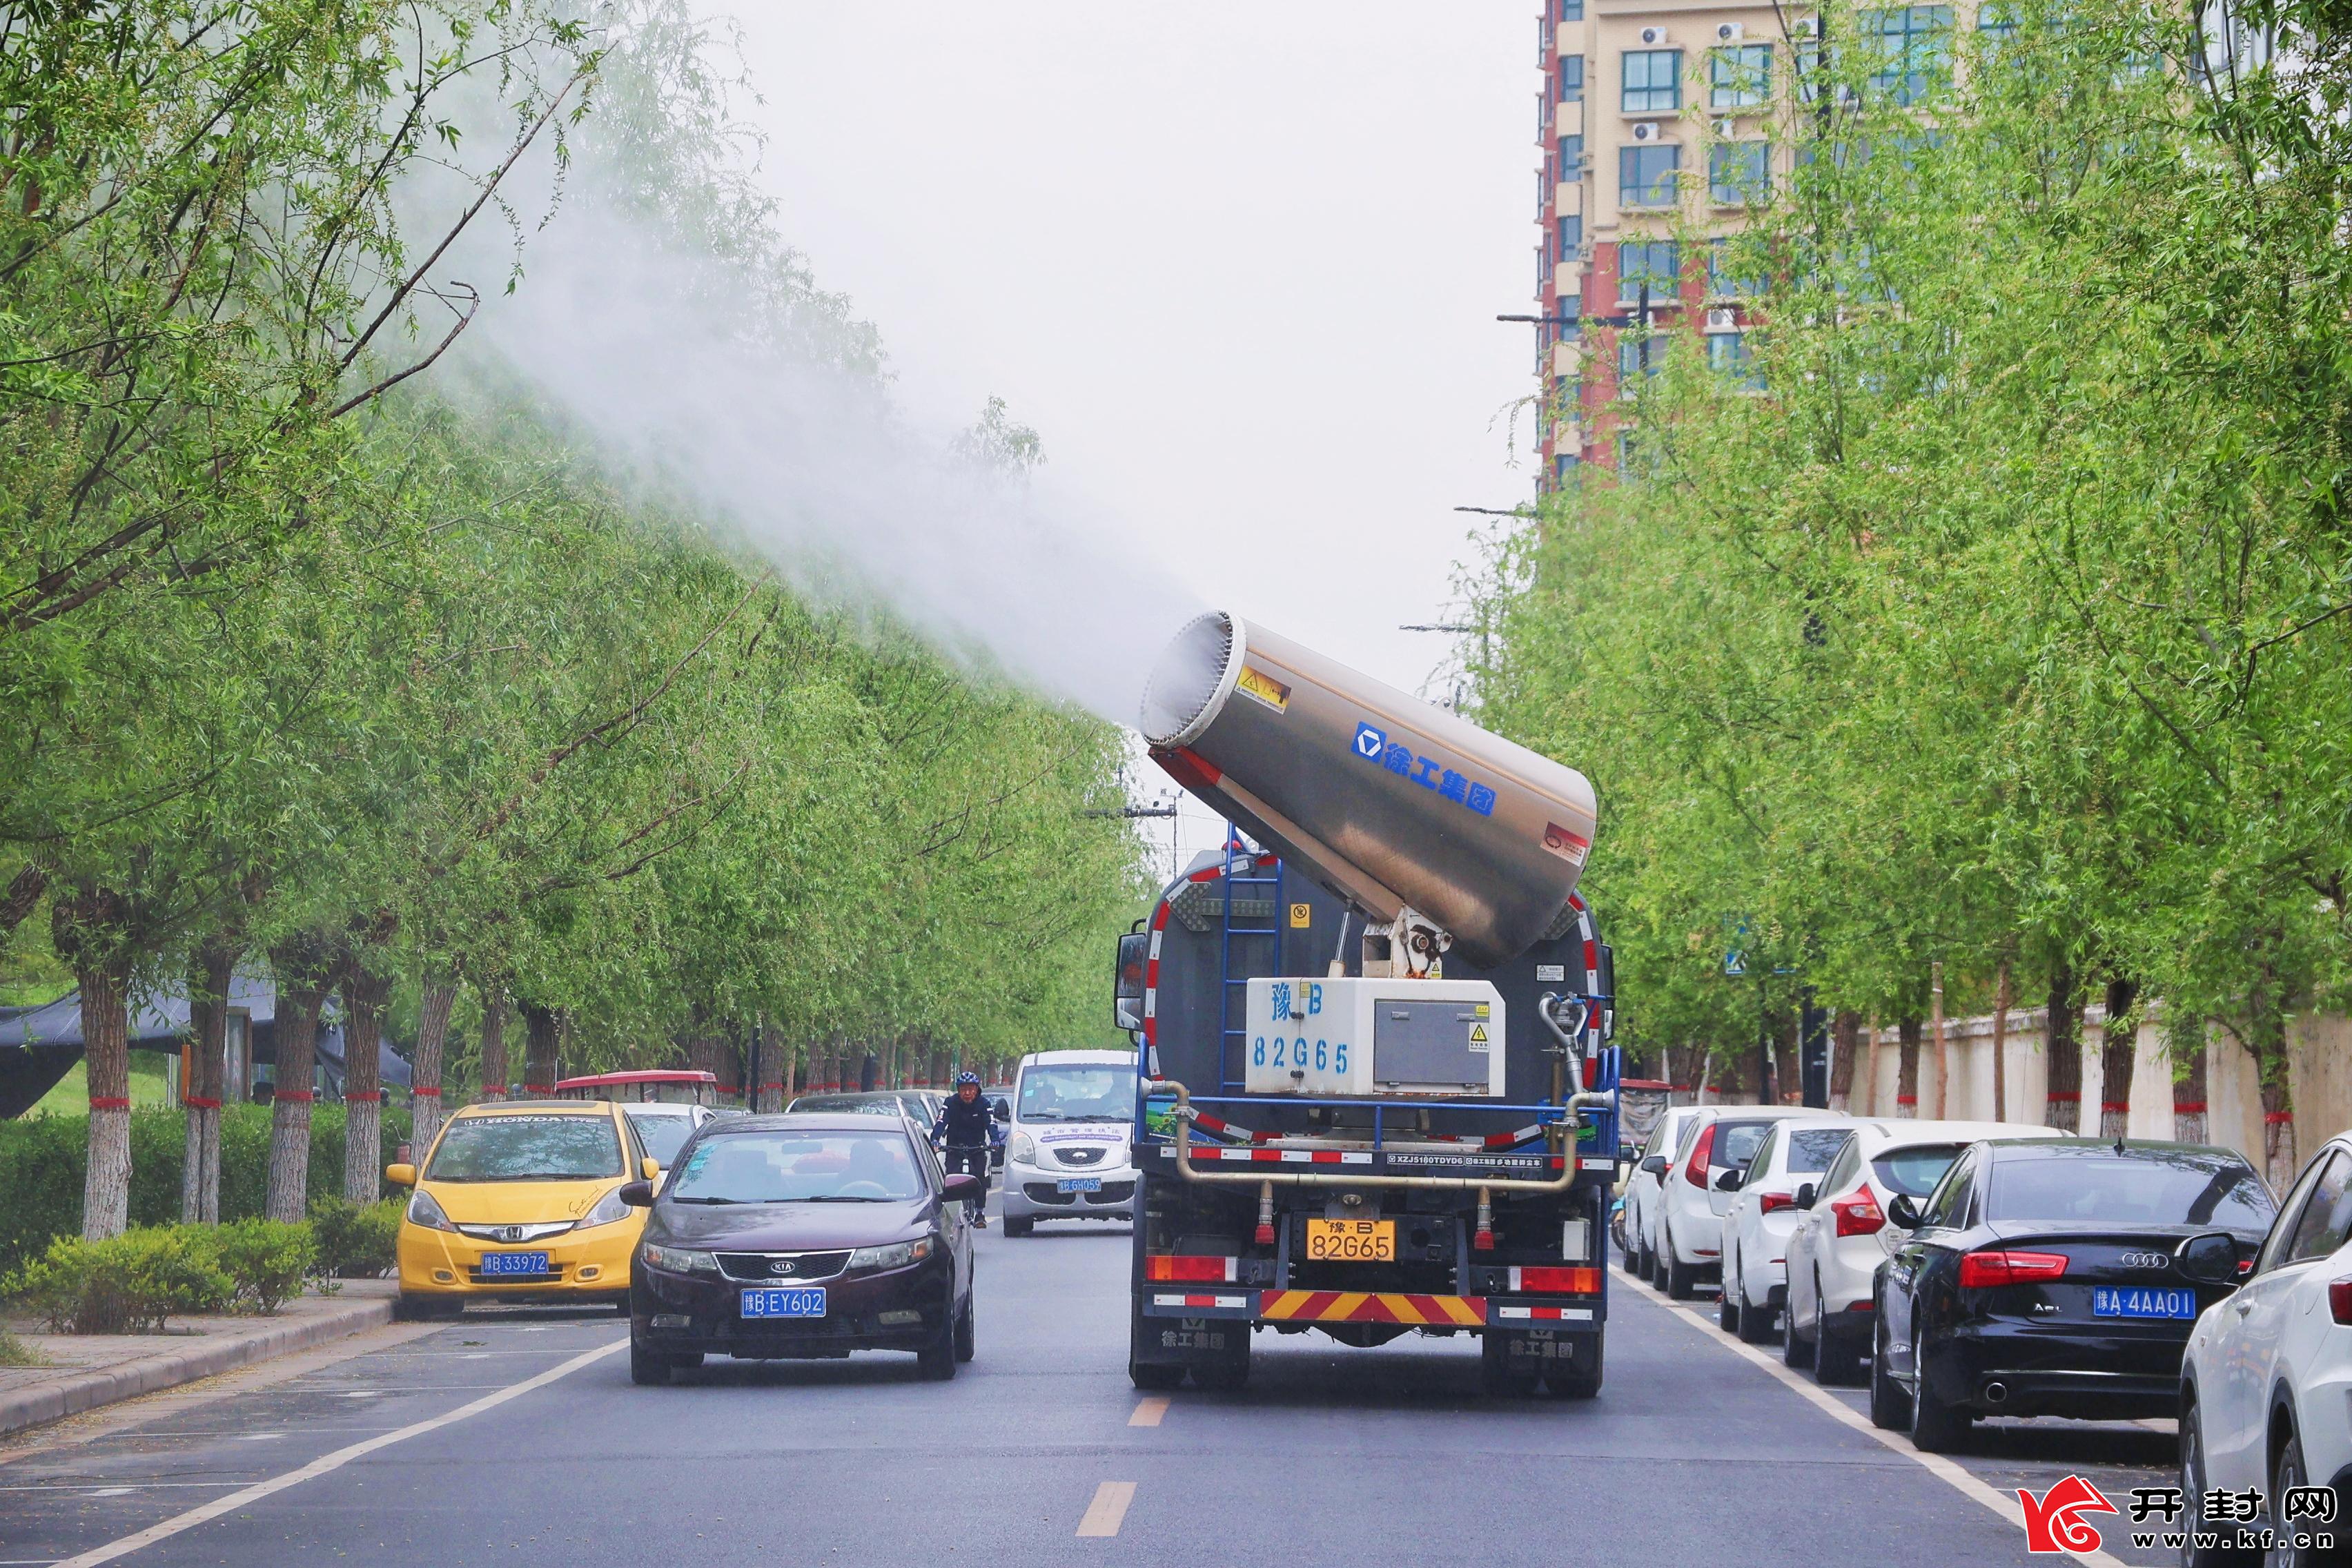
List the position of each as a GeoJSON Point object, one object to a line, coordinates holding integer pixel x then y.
{"type": "Point", "coordinates": [1237, 263]}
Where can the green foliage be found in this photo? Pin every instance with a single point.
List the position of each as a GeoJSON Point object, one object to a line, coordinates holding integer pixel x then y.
{"type": "Point", "coordinates": [264, 1260]}
{"type": "Point", "coordinates": [42, 1159]}
{"type": "Point", "coordinates": [356, 1241]}
{"type": "Point", "coordinates": [127, 1284]}
{"type": "Point", "coordinates": [15, 1352]}
{"type": "Point", "coordinates": [2008, 622]}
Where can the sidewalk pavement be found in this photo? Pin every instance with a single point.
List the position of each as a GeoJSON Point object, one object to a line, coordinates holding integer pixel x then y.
{"type": "Point", "coordinates": [86, 1371]}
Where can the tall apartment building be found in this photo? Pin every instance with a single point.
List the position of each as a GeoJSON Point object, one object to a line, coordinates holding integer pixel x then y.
{"type": "Point", "coordinates": [1655, 129]}
{"type": "Point", "coordinates": [1658, 134]}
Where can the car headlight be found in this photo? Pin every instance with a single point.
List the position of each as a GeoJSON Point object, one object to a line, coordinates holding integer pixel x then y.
{"type": "Point", "coordinates": [1025, 1148]}
{"type": "Point", "coordinates": [609, 1209]}
{"type": "Point", "coordinates": [897, 1255]}
{"type": "Point", "coordinates": [679, 1260]}
{"type": "Point", "coordinates": [423, 1210]}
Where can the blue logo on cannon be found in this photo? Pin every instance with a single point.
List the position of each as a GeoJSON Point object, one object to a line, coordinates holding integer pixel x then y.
{"type": "Point", "coordinates": [1369, 742]}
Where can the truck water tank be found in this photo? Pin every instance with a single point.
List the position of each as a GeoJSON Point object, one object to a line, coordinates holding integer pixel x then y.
{"type": "Point", "coordinates": [1389, 801]}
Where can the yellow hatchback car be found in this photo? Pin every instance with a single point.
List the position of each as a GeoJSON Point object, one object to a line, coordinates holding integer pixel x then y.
{"type": "Point", "coordinates": [520, 1201]}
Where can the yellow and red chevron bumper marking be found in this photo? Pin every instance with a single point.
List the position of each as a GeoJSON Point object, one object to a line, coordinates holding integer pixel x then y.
{"type": "Point", "coordinates": [1370, 1306]}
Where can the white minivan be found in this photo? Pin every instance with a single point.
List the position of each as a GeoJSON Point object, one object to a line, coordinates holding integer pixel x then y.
{"type": "Point", "coordinates": [1068, 1152]}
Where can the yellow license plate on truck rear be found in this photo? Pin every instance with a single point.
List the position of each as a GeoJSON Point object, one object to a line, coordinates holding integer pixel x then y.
{"type": "Point", "coordinates": [1351, 1241]}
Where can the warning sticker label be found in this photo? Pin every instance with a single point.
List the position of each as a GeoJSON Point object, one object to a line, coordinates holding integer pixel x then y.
{"type": "Point", "coordinates": [1478, 1038]}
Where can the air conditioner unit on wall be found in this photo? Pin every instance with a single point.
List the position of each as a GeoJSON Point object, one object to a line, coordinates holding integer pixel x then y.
{"type": "Point", "coordinates": [1653, 38]}
{"type": "Point", "coordinates": [1729, 32]}
{"type": "Point", "coordinates": [1804, 27]}
{"type": "Point", "coordinates": [1721, 318]}
{"type": "Point", "coordinates": [1648, 131]}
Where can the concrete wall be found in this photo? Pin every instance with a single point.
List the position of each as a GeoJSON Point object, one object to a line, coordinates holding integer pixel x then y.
{"type": "Point", "coordinates": [2320, 1062]}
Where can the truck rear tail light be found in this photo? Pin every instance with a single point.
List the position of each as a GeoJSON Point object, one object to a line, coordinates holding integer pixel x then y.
{"type": "Point", "coordinates": [1695, 1173]}
{"type": "Point", "coordinates": [2339, 1300]}
{"type": "Point", "coordinates": [1983, 1270]}
{"type": "Point", "coordinates": [1564, 1281]}
{"type": "Point", "coordinates": [1772, 1203]}
{"type": "Point", "coordinates": [1858, 1213]}
{"type": "Point", "coordinates": [1173, 1267]}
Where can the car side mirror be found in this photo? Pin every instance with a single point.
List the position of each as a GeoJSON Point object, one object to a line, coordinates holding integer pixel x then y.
{"type": "Point", "coordinates": [1729, 1181]}
{"type": "Point", "coordinates": [400, 1175]}
{"type": "Point", "coordinates": [999, 1109]}
{"type": "Point", "coordinates": [638, 1195]}
{"type": "Point", "coordinates": [1655, 1164]}
{"type": "Point", "coordinates": [1806, 1194]}
{"type": "Point", "coordinates": [1901, 1211]}
{"type": "Point", "coordinates": [2210, 1259]}
{"type": "Point", "coordinates": [649, 1168]}
{"type": "Point", "coordinates": [962, 1187]}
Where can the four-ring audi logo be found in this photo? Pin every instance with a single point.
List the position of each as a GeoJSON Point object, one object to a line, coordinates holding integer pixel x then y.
{"type": "Point", "coordinates": [783, 1265]}
{"type": "Point", "coordinates": [2143, 1260]}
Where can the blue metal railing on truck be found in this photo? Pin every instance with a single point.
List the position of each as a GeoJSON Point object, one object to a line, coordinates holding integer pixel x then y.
{"type": "Point", "coordinates": [1240, 863]}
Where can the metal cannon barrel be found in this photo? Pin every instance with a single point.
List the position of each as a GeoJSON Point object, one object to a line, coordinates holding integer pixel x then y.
{"type": "Point", "coordinates": [1388, 801]}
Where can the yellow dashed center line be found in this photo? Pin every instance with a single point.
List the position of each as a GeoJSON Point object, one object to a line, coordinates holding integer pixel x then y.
{"type": "Point", "coordinates": [1149, 1413]}
{"type": "Point", "coordinates": [1109, 1507]}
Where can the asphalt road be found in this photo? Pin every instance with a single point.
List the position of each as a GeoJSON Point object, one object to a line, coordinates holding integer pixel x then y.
{"type": "Point", "coordinates": [515, 1436]}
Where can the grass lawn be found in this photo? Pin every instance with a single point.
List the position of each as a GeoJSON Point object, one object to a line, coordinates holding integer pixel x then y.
{"type": "Point", "coordinates": [71, 1096]}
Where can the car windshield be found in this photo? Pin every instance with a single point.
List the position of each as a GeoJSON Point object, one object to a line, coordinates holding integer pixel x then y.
{"type": "Point", "coordinates": [522, 1147]}
{"type": "Point", "coordinates": [1810, 1151]}
{"type": "Point", "coordinates": [1735, 1142]}
{"type": "Point", "coordinates": [2145, 1186]}
{"type": "Point", "coordinates": [1913, 1172]}
{"type": "Point", "coordinates": [663, 1136]}
{"type": "Point", "coordinates": [799, 1165]}
{"type": "Point", "coordinates": [1103, 1092]}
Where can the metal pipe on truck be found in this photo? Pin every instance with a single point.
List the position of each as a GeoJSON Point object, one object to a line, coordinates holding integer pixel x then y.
{"type": "Point", "coordinates": [1390, 802]}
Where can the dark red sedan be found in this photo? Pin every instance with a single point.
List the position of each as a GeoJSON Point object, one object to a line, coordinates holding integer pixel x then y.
{"type": "Point", "coordinates": [798, 1236]}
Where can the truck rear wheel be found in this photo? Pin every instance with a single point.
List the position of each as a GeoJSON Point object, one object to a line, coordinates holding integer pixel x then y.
{"type": "Point", "coordinates": [1581, 1382]}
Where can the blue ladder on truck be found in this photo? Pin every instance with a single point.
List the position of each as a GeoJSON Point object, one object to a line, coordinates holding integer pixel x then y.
{"type": "Point", "coordinates": [1240, 871]}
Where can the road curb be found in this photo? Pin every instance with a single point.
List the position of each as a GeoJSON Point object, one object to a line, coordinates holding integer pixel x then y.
{"type": "Point", "coordinates": [219, 1353]}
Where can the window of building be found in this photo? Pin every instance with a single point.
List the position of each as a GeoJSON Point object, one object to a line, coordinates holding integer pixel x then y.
{"type": "Point", "coordinates": [1640, 354]}
{"type": "Point", "coordinates": [1653, 262]}
{"type": "Point", "coordinates": [1909, 49]}
{"type": "Point", "coordinates": [1571, 79]}
{"type": "Point", "coordinates": [1645, 174]}
{"type": "Point", "coordinates": [1728, 354]}
{"type": "Point", "coordinates": [1996, 24]}
{"type": "Point", "coordinates": [1653, 80]}
{"type": "Point", "coordinates": [1571, 10]}
{"type": "Point", "coordinates": [1740, 78]}
{"type": "Point", "coordinates": [1724, 280]}
{"type": "Point", "coordinates": [1572, 157]}
{"type": "Point", "coordinates": [1563, 466]}
{"type": "Point", "coordinates": [1740, 174]}
{"type": "Point", "coordinates": [1571, 235]}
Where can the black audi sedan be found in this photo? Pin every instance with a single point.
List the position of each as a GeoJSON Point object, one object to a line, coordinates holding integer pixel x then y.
{"type": "Point", "coordinates": [800, 1237]}
{"type": "Point", "coordinates": [2057, 1276]}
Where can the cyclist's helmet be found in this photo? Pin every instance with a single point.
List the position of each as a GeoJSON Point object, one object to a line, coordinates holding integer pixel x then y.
{"type": "Point", "coordinates": [967, 1077]}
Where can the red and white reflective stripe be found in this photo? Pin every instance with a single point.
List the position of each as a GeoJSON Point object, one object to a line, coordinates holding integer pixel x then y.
{"type": "Point", "coordinates": [1187, 1300]}
{"type": "Point", "coordinates": [1287, 1156]}
{"type": "Point", "coordinates": [1545, 1314]}
{"type": "Point", "coordinates": [1223, 1129]}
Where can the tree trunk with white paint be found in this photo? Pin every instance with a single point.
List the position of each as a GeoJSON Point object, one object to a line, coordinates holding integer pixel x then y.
{"type": "Point", "coordinates": [209, 975]}
{"type": "Point", "coordinates": [1845, 1044]}
{"type": "Point", "coordinates": [305, 976]}
{"type": "Point", "coordinates": [90, 927]}
{"type": "Point", "coordinates": [438, 997]}
{"type": "Point", "coordinates": [366, 991]}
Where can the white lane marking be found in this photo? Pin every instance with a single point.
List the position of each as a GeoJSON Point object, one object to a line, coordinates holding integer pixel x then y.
{"type": "Point", "coordinates": [329, 1462]}
{"type": "Point", "coordinates": [1149, 1412]}
{"type": "Point", "coordinates": [112, 1491]}
{"type": "Point", "coordinates": [259, 1436]}
{"type": "Point", "coordinates": [1960, 1480]}
{"type": "Point", "coordinates": [1109, 1507]}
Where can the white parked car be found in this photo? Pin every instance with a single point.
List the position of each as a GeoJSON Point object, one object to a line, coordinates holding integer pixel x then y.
{"type": "Point", "coordinates": [1068, 1150]}
{"type": "Point", "coordinates": [664, 1128]}
{"type": "Point", "coordinates": [2266, 1382]}
{"type": "Point", "coordinates": [1643, 1206]}
{"type": "Point", "coordinates": [1763, 1212]}
{"type": "Point", "coordinates": [1720, 1138]}
{"type": "Point", "coordinates": [1842, 1233]}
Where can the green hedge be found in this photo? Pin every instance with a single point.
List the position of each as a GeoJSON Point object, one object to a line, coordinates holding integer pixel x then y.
{"type": "Point", "coordinates": [42, 1159]}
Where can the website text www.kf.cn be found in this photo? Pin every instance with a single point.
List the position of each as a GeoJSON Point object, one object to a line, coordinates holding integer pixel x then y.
{"type": "Point", "coordinates": [2055, 1521]}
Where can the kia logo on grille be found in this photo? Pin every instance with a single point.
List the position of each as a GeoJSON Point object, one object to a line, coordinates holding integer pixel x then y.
{"type": "Point", "coordinates": [784, 1266]}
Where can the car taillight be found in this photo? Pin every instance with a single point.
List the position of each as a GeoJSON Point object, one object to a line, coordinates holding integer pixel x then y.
{"type": "Point", "coordinates": [1858, 1213]}
{"type": "Point", "coordinates": [1767, 1203]}
{"type": "Point", "coordinates": [1982, 1270]}
{"type": "Point", "coordinates": [1695, 1173]}
{"type": "Point", "coordinates": [2339, 1300]}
